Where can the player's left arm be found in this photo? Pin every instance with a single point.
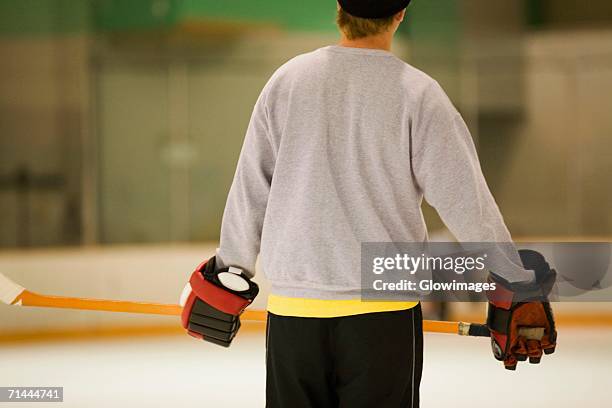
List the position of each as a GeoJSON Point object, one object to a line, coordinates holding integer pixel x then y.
{"type": "Point", "coordinates": [247, 201]}
{"type": "Point", "coordinates": [221, 288]}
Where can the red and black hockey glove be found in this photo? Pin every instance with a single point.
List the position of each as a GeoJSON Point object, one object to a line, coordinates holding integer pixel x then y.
{"type": "Point", "coordinates": [213, 301]}
{"type": "Point", "coordinates": [520, 318]}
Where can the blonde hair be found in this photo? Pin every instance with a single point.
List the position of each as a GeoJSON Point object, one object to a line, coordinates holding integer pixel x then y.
{"type": "Point", "coordinates": [357, 27]}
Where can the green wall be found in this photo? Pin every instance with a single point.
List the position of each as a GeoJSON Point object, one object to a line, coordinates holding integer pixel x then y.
{"type": "Point", "coordinates": [433, 19]}
{"type": "Point", "coordinates": [313, 15]}
{"type": "Point", "coordinates": [110, 15]}
{"type": "Point", "coordinates": [437, 20]}
{"type": "Point", "coordinates": [317, 15]}
{"type": "Point", "coordinates": [40, 17]}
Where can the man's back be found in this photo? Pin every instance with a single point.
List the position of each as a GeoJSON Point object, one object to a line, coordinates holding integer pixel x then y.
{"type": "Point", "coordinates": [342, 174]}
{"type": "Point", "coordinates": [338, 143]}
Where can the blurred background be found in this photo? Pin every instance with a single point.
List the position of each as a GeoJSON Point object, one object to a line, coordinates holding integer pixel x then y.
{"type": "Point", "coordinates": [121, 122]}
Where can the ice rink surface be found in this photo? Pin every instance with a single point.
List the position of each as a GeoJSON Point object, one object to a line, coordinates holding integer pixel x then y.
{"type": "Point", "coordinates": [181, 372]}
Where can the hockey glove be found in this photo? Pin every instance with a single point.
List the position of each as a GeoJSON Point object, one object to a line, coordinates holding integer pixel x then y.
{"type": "Point", "coordinates": [213, 301]}
{"type": "Point", "coordinates": [520, 318]}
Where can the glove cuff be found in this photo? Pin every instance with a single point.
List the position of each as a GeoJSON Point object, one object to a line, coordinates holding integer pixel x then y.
{"type": "Point", "coordinates": [205, 284]}
{"type": "Point", "coordinates": [507, 294]}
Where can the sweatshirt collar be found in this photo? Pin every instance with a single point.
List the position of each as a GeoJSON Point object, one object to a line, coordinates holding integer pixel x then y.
{"type": "Point", "coordinates": [357, 51]}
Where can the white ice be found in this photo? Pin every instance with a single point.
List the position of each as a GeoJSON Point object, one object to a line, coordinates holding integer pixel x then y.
{"type": "Point", "coordinates": [182, 372]}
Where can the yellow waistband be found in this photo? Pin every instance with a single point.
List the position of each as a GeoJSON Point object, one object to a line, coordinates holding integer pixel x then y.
{"type": "Point", "coordinates": [298, 307]}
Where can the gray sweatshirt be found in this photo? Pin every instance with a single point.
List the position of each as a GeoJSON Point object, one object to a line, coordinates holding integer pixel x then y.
{"type": "Point", "coordinates": [342, 147]}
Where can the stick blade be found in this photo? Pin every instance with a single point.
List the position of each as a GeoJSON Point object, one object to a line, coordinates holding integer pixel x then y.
{"type": "Point", "coordinates": [9, 290]}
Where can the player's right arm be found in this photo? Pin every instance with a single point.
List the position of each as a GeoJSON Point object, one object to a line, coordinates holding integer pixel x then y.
{"type": "Point", "coordinates": [447, 170]}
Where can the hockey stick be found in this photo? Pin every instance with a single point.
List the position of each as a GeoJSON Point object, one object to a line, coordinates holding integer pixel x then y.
{"type": "Point", "coordinates": [14, 294]}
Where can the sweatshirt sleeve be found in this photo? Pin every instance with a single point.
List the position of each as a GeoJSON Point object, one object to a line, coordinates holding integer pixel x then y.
{"type": "Point", "coordinates": [447, 170]}
{"type": "Point", "coordinates": [248, 197]}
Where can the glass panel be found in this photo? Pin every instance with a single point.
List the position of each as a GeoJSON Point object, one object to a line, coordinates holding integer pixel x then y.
{"type": "Point", "coordinates": [134, 192]}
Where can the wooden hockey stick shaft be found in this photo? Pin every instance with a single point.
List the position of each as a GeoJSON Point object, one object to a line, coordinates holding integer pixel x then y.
{"type": "Point", "coordinates": [13, 294]}
{"type": "Point", "coordinates": [32, 299]}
